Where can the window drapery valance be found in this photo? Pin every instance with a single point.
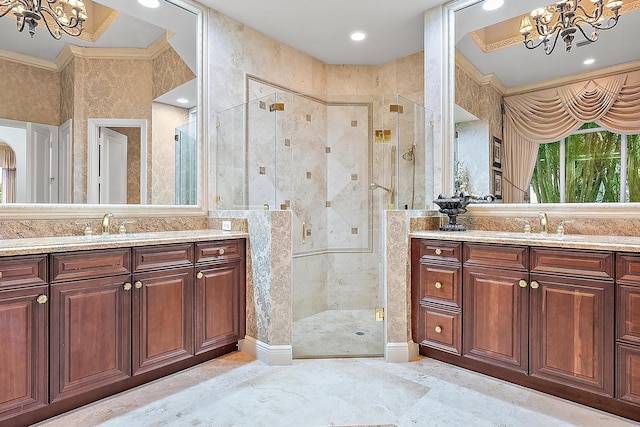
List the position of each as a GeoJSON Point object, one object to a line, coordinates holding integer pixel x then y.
{"type": "Point", "coordinates": [548, 115]}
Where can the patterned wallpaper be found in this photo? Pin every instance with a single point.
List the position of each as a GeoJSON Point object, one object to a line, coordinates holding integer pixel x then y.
{"type": "Point", "coordinates": [29, 93]}
{"type": "Point", "coordinates": [169, 72]}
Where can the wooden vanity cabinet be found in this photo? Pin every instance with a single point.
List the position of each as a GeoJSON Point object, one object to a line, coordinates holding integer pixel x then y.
{"type": "Point", "coordinates": [219, 294]}
{"type": "Point", "coordinates": [572, 318]}
{"type": "Point", "coordinates": [496, 305]}
{"type": "Point", "coordinates": [90, 320]}
{"type": "Point", "coordinates": [162, 306]}
{"type": "Point", "coordinates": [24, 322]}
{"type": "Point", "coordinates": [436, 295]}
{"type": "Point", "coordinates": [628, 328]}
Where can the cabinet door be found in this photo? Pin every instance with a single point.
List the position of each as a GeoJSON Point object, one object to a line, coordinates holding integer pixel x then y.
{"type": "Point", "coordinates": [162, 318]}
{"type": "Point", "coordinates": [495, 322]}
{"type": "Point", "coordinates": [90, 335]}
{"type": "Point", "coordinates": [572, 332]}
{"type": "Point", "coordinates": [220, 306]}
{"type": "Point", "coordinates": [628, 371]}
{"type": "Point", "coordinates": [24, 373]}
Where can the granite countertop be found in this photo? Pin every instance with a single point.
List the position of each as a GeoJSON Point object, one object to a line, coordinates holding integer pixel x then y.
{"type": "Point", "coordinates": [38, 245]}
{"type": "Point", "coordinates": [574, 241]}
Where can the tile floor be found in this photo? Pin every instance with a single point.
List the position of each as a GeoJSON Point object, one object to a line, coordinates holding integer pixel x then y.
{"type": "Point", "coordinates": [236, 390]}
{"type": "Point", "coordinates": [342, 333]}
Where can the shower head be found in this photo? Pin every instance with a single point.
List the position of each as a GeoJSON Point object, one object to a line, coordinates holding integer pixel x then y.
{"type": "Point", "coordinates": [408, 155]}
{"type": "Point", "coordinates": [374, 185]}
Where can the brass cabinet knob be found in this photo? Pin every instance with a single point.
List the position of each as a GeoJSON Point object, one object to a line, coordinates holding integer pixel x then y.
{"type": "Point", "coordinates": [438, 251]}
{"type": "Point", "coordinates": [42, 299]}
{"type": "Point", "coordinates": [438, 329]}
{"type": "Point", "coordinates": [127, 286]}
{"type": "Point", "coordinates": [200, 275]}
{"type": "Point", "coordinates": [534, 284]}
{"type": "Point", "coordinates": [522, 283]}
{"type": "Point", "coordinates": [0, 274]}
{"type": "Point", "coordinates": [138, 284]}
{"type": "Point", "coordinates": [438, 285]}
{"type": "Point", "coordinates": [220, 251]}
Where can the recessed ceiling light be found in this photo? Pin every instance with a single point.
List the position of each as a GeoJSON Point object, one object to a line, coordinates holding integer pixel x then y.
{"type": "Point", "coordinates": [182, 100]}
{"type": "Point", "coordinates": [589, 61]}
{"type": "Point", "coordinates": [358, 36]}
{"type": "Point", "coordinates": [492, 4]}
{"type": "Point", "coordinates": [149, 3]}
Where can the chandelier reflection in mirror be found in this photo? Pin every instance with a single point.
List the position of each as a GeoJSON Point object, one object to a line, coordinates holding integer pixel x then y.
{"type": "Point", "coordinates": [565, 19]}
{"type": "Point", "coordinates": [59, 16]}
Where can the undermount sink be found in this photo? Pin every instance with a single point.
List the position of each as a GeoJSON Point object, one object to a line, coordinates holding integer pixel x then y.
{"type": "Point", "coordinates": [118, 236]}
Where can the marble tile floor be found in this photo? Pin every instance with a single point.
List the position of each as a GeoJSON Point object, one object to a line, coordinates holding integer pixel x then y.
{"type": "Point", "coordinates": [237, 390]}
{"type": "Point", "coordinates": [338, 333]}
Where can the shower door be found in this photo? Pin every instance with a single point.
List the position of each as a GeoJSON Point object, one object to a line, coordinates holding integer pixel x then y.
{"type": "Point", "coordinates": [336, 264]}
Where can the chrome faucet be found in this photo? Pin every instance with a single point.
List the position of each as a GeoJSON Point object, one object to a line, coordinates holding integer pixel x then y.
{"type": "Point", "coordinates": [544, 222]}
{"type": "Point", "coordinates": [106, 222]}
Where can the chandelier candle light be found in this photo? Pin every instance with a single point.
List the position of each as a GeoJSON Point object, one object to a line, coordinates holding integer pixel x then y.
{"type": "Point", "coordinates": [59, 16]}
{"type": "Point", "coordinates": [565, 18]}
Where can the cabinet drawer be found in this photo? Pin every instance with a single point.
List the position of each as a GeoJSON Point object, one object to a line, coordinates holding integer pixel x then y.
{"type": "Point", "coordinates": [162, 257]}
{"type": "Point", "coordinates": [441, 329]}
{"type": "Point", "coordinates": [575, 263]}
{"type": "Point", "coordinates": [628, 373]}
{"type": "Point", "coordinates": [628, 268]}
{"type": "Point", "coordinates": [438, 250]}
{"type": "Point", "coordinates": [495, 256]}
{"type": "Point", "coordinates": [23, 271]}
{"type": "Point", "coordinates": [628, 321]}
{"type": "Point", "coordinates": [90, 264]}
{"type": "Point", "coordinates": [440, 284]}
{"type": "Point", "coordinates": [219, 251]}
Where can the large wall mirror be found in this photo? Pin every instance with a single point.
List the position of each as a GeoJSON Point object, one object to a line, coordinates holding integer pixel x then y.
{"type": "Point", "coordinates": [112, 119]}
{"type": "Point", "coordinates": [488, 46]}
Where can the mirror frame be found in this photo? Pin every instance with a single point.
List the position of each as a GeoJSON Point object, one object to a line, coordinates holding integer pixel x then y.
{"type": "Point", "coordinates": [26, 211]}
{"type": "Point", "coordinates": [508, 210]}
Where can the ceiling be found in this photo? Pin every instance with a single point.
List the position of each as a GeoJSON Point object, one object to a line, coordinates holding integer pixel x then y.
{"type": "Point", "coordinates": [395, 29]}
{"type": "Point", "coordinates": [134, 27]}
{"type": "Point", "coordinates": [515, 65]}
{"type": "Point", "coordinates": [321, 28]}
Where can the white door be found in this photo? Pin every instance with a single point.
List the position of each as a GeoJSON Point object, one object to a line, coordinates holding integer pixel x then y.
{"type": "Point", "coordinates": [112, 167]}
{"type": "Point", "coordinates": [64, 162]}
{"type": "Point", "coordinates": [42, 161]}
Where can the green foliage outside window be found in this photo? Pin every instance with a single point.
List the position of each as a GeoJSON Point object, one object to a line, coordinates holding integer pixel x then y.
{"type": "Point", "coordinates": [592, 168]}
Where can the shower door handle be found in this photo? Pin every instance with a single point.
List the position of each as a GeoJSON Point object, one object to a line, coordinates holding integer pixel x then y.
{"type": "Point", "coordinates": [304, 232]}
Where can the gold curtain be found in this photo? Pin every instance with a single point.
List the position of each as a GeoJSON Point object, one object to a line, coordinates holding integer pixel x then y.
{"type": "Point", "coordinates": [548, 115]}
{"type": "Point", "coordinates": [8, 164]}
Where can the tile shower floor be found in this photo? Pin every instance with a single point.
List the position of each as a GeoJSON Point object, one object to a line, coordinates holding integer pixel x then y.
{"type": "Point", "coordinates": [237, 390]}
{"type": "Point", "coordinates": [338, 333]}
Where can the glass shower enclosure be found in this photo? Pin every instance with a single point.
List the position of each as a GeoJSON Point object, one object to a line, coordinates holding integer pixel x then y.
{"type": "Point", "coordinates": [336, 163]}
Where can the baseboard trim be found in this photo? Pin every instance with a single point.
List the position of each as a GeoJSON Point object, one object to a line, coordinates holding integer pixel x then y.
{"type": "Point", "coordinates": [272, 355]}
{"type": "Point", "coordinates": [401, 352]}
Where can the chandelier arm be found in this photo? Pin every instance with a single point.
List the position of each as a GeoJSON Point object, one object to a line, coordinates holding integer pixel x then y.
{"type": "Point", "coordinates": [597, 13]}
{"type": "Point", "coordinates": [555, 40]}
{"type": "Point", "coordinates": [588, 38]}
{"type": "Point", "coordinates": [74, 24]}
{"type": "Point", "coordinates": [9, 5]}
{"type": "Point", "coordinates": [613, 19]}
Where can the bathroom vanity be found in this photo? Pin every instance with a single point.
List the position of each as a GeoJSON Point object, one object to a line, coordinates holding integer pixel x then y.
{"type": "Point", "coordinates": [84, 317]}
{"type": "Point", "coordinates": [560, 314]}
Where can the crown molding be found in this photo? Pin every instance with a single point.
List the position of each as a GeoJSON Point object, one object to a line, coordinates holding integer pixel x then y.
{"type": "Point", "coordinates": [469, 69]}
{"type": "Point", "coordinates": [28, 60]}
{"type": "Point", "coordinates": [575, 78]}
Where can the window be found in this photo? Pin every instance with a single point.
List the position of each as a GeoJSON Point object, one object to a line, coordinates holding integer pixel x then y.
{"type": "Point", "coordinates": [592, 165]}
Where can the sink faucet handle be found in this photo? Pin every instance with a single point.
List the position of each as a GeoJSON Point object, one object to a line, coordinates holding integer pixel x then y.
{"type": "Point", "coordinates": [87, 228]}
{"type": "Point", "coordinates": [123, 226]}
{"type": "Point", "coordinates": [527, 224]}
{"type": "Point", "coordinates": [561, 227]}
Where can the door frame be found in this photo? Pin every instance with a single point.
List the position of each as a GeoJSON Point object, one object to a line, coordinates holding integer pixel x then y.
{"type": "Point", "coordinates": [93, 132]}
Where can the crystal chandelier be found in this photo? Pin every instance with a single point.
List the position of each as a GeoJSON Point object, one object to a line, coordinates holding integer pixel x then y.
{"type": "Point", "coordinates": [58, 15]}
{"type": "Point", "coordinates": [565, 19]}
